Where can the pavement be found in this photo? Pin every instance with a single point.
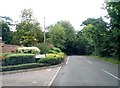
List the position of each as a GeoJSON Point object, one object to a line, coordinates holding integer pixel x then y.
{"type": "Point", "coordinates": [32, 78]}
{"type": "Point", "coordinates": [85, 71]}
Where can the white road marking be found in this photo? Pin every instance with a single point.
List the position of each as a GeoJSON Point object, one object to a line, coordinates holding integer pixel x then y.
{"type": "Point", "coordinates": [54, 76]}
{"type": "Point", "coordinates": [48, 69]}
{"type": "Point", "coordinates": [67, 60]}
{"type": "Point", "coordinates": [34, 82]}
{"type": "Point", "coordinates": [110, 74]}
{"type": "Point", "coordinates": [88, 61]}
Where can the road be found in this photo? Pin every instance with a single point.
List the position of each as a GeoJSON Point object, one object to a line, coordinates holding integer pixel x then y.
{"type": "Point", "coordinates": [85, 71]}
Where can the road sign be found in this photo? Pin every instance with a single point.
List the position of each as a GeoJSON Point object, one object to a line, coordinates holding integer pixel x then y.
{"type": "Point", "coordinates": [40, 56]}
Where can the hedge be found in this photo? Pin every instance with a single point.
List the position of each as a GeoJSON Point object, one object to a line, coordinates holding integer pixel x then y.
{"type": "Point", "coordinates": [22, 66]}
{"type": "Point", "coordinates": [15, 59]}
{"type": "Point", "coordinates": [56, 49]}
{"type": "Point", "coordinates": [51, 60]}
{"type": "Point", "coordinates": [52, 52]}
{"type": "Point", "coordinates": [33, 50]}
{"type": "Point", "coordinates": [56, 55]}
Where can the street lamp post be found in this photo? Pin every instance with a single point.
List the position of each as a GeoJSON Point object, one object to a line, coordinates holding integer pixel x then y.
{"type": "Point", "coordinates": [44, 30]}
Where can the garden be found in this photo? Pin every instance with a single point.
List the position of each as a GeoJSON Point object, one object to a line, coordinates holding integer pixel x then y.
{"type": "Point", "coordinates": [25, 58]}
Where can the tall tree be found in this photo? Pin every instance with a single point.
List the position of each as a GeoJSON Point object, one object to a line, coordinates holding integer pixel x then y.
{"type": "Point", "coordinates": [95, 32]}
{"type": "Point", "coordinates": [28, 32]}
{"type": "Point", "coordinates": [27, 15]}
{"type": "Point", "coordinates": [57, 36]}
{"type": "Point", "coordinates": [113, 9]}
{"type": "Point", "coordinates": [70, 36]}
{"type": "Point", "coordinates": [5, 32]}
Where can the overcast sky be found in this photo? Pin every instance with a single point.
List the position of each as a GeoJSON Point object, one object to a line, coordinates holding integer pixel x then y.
{"type": "Point", "coordinates": [74, 11]}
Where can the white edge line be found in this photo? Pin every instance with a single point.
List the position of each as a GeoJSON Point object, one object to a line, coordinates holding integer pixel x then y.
{"type": "Point", "coordinates": [67, 60]}
{"type": "Point", "coordinates": [110, 74]}
{"type": "Point", "coordinates": [54, 76]}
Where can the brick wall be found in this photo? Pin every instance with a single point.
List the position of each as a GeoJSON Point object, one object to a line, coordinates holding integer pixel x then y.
{"type": "Point", "coordinates": [7, 48]}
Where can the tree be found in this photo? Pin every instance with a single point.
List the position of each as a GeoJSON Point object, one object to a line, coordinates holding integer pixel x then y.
{"type": "Point", "coordinates": [6, 34]}
{"type": "Point", "coordinates": [6, 19]}
{"type": "Point", "coordinates": [95, 34]}
{"type": "Point", "coordinates": [70, 37]}
{"type": "Point", "coordinates": [28, 32]}
{"type": "Point", "coordinates": [57, 36]}
{"type": "Point", "coordinates": [27, 15]}
{"type": "Point", "coordinates": [113, 9]}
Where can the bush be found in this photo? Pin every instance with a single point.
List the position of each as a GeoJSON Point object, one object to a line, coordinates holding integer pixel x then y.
{"type": "Point", "coordinates": [61, 55]}
{"type": "Point", "coordinates": [15, 59]}
{"type": "Point", "coordinates": [53, 52]}
{"type": "Point", "coordinates": [51, 60]}
{"type": "Point", "coordinates": [44, 47]}
{"type": "Point", "coordinates": [56, 49]}
{"type": "Point", "coordinates": [33, 50]}
{"type": "Point", "coordinates": [22, 66]}
{"type": "Point", "coordinates": [50, 55]}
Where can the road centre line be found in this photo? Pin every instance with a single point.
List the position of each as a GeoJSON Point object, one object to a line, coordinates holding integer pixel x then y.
{"type": "Point", "coordinates": [54, 76]}
{"type": "Point", "coordinates": [88, 61]}
{"type": "Point", "coordinates": [110, 74]}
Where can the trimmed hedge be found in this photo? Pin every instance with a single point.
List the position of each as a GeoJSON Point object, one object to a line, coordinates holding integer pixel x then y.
{"type": "Point", "coordinates": [15, 59]}
{"type": "Point", "coordinates": [51, 60]}
{"type": "Point", "coordinates": [22, 66]}
{"type": "Point", "coordinates": [61, 55]}
{"type": "Point", "coordinates": [33, 50]}
{"type": "Point", "coordinates": [54, 50]}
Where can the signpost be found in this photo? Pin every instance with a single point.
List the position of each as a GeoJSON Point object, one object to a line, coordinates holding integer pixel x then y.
{"type": "Point", "coordinates": [38, 56]}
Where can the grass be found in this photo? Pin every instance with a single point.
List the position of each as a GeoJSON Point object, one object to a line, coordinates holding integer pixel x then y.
{"type": "Point", "coordinates": [110, 59]}
{"type": "Point", "coordinates": [2, 55]}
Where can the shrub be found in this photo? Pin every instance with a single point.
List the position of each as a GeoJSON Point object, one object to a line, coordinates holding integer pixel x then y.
{"type": "Point", "coordinates": [51, 60]}
{"type": "Point", "coordinates": [56, 49]}
{"type": "Point", "coordinates": [50, 55]}
{"type": "Point", "coordinates": [15, 59]}
{"type": "Point", "coordinates": [53, 52]}
{"type": "Point", "coordinates": [33, 50]}
{"type": "Point", "coordinates": [59, 55]}
{"type": "Point", "coordinates": [44, 47]}
{"type": "Point", "coordinates": [23, 66]}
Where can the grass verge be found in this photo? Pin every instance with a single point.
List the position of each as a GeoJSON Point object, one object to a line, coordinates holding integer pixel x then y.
{"type": "Point", "coordinates": [112, 60]}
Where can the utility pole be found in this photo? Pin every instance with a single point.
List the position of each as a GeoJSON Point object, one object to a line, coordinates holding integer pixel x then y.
{"type": "Point", "coordinates": [44, 30]}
